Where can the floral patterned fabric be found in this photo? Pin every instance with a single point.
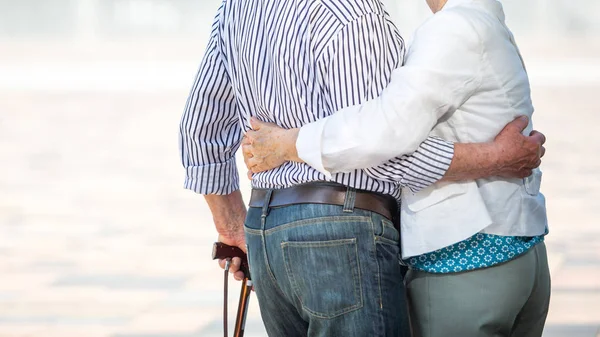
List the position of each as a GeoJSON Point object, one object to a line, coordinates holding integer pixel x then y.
{"type": "Point", "coordinates": [478, 251]}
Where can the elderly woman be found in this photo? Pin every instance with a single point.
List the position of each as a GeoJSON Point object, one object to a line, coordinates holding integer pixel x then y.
{"type": "Point", "coordinates": [475, 249]}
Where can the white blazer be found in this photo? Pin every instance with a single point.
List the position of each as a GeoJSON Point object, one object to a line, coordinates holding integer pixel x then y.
{"type": "Point", "coordinates": [465, 78]}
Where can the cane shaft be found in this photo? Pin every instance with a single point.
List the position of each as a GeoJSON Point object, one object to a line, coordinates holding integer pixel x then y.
{"type": "Point", "coordinates": [240, 322]}
{"type": "Point", "coordinates": [223, 251]}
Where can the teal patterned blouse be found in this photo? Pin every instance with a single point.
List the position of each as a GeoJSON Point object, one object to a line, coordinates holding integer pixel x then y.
{"type": "Point", "coordinates": [479, 251]}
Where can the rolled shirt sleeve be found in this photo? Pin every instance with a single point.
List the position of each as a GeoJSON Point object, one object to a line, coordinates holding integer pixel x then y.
{"type": "Point", "coordinates": [443, 69]}
{"type": "Point", "coordinates": [210, 132]}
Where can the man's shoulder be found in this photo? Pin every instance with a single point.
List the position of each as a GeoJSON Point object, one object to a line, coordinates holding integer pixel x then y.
{"type": "Point", "coordinates": [346, 11]}
{"type": "Point", "coordinates": [347, 14]}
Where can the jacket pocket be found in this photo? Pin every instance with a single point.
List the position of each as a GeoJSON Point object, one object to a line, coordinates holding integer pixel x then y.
{"type": "Point", "coordinates": [432, 195]}
{"type": "Point", "coordinates": [533, 183]}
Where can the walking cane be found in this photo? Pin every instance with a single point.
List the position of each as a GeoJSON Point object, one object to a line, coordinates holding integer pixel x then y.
{"type": "Point", "coordinates": [223, 251]}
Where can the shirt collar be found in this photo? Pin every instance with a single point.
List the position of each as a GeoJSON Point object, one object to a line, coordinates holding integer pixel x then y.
{"type": "Point", "coordinates": [492, 5]}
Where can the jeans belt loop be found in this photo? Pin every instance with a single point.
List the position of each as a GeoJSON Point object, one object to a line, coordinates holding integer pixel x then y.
{"type": "Point", "coordinates": [349, 200]}
{"type": "Point", "coordinates": [265, 208]}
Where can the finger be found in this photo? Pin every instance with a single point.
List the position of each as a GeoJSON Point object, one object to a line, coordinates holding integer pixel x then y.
{"type": "Point", "coordinates": [520, 123]}
{"type": "Point", "coordinates": [260, 168]}
{"type": "Point", "coordinates": [525, 173]}
{"type": "Point", "coordinates": [247, 150]}
{"type": "Point", "coordinates": [538, 137]}
{"type": "Point", "coordinates": [542, 151]}
{"type": "Point", "coordinates": [236, 262]}
{"type": "Point", "coordinates": [538, 134]}
{"type": "Point", "coordinates": [250, 136]}
{"type": "Point", "coordinates": [255, 123]}
{"type": "Point", "coordinates": [252, 162]}
{"type": "Point", "coordinates": [253, 168]}
{"type": "Point", "coordinates": [246, 140]}
{"type": "Point", "coordinates": [257, 168]}
{"type": "Point", "coordinates": [233, 268]}
{"type": "Point", "coordinates": [247, 157]}
{"type": "Point", "coordinates": [239, 275]}
{"type": "Point", "coordinates": [257, 165]}
{"type": "Point", "coordinates": [249, 174]}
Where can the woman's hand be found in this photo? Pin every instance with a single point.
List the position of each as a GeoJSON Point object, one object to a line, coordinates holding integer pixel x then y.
{"type": "Point", "coordinates": [268, 146]}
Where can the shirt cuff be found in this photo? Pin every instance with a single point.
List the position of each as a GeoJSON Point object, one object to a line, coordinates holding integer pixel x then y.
{"type": "Point", "coordinates": [433, 158]}
{"type": "Point", "coordinates": [308, 145]}
{"type": "Point", "coordinates": [219, 178]}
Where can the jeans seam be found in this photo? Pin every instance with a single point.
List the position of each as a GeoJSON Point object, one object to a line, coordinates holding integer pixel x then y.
{"type": "Point", "coordinates": [253, 231]}
{"type": "Point", "coordinates": [378, 279]}
{"type": "Point", "coordinates": [328, 219]}
{"type": "Point", "coordinates": [317, 244]}
{"type": "Point", "coordinates": [266, 257]}
{"type": "Point", "coordinates": [385, 241]}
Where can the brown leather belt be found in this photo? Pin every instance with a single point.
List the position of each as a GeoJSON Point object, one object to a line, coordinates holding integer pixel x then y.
{"type": "Point", "coordinates": [329, 194]}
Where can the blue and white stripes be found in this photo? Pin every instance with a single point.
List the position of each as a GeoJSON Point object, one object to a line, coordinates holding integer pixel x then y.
{"type": "Point", "coordinates": [291, 62]}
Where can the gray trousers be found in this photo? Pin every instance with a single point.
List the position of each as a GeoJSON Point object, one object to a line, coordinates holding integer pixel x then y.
{"type": "Point", "coordinates": [508, 300]}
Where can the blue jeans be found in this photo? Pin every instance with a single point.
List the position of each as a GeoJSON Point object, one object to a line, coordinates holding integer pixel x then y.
{"type": "Point", "coordinates": [326, 270]}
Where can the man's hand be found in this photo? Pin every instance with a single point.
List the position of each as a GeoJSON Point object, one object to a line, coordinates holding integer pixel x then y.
{"type": "Point", "coordinates": [268, 146]}
{"type": "Point", "coordinates": [236, 262]}
{"type": "Point", "coordinates": [229, 213]}
{"type": "Point", "coordinates": [517, 154]}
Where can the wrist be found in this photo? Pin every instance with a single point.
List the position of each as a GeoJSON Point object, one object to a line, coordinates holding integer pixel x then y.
{"type": "Point", "coordinates": [494, 154]}
{"type": "Point", "coordinates": [232, 237]}
{"type": "Point", "coordinates": [229, 214]}
{"type": "Point", "coordinates": [290, 150]}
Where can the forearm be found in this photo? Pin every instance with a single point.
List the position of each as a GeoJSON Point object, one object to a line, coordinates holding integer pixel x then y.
{"type": "Point", "coordinates": [370, 134]}
{"type": "Point", "coordinates": [510, 155]}
{"type": "Point", "coordinates": [229, 213]}
{"type": "Point", "coordinates": [420, 169]}
{"type": "Point", "coordinates": [473, 161]}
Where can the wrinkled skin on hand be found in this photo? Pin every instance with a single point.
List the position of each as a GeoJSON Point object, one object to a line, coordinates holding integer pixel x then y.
{"type": "Point", "coordinates": [518, 154]}
{"type": "Point", "coordinates": [268, 146]}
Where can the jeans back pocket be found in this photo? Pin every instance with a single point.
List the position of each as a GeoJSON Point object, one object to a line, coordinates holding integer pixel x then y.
{"type": "Point", "coordinates": [325, 276]}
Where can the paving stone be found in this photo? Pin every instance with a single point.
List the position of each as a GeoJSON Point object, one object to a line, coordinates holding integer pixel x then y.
{"type": "Point", "coordinates": [123, 281]}
{"type": "Point", "coordinates": [8, 296]}
{"type": "Point", "coordinates": [574, 307]}
{"type": "Point", "coordinates": [571, 330]}
{"type": "Point", "coordinates": [254, 328]}
{"type": "Point", "coordinates": [169, 321]}
{"type": "Point", "coordinates": [160, 334]}
{"type": "Point", "coordinates": [578, 276]}
{"type": "Point", "coordinates": [56, 265]}
{"type": "Point", "coordinates": [61, 320]}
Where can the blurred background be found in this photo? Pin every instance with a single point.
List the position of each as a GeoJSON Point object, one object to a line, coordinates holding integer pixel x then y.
{"type": "Point", "coordinates": [98, 237]}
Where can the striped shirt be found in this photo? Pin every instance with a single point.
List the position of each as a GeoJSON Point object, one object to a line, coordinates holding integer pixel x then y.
{"type": "Point", "coordinates": [291, 62]}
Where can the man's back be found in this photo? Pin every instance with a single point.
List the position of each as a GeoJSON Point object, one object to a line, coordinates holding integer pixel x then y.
{"type": "Point", "coordinates": [289, 62]}
{"type": "Point", "coordinates": [279, 56]}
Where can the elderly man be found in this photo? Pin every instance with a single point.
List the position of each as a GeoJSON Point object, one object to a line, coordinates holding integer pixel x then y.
{"type": "Point", "coordinates": [475, 248]}
{"type": "Point", "coordinates": [323, 249]}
